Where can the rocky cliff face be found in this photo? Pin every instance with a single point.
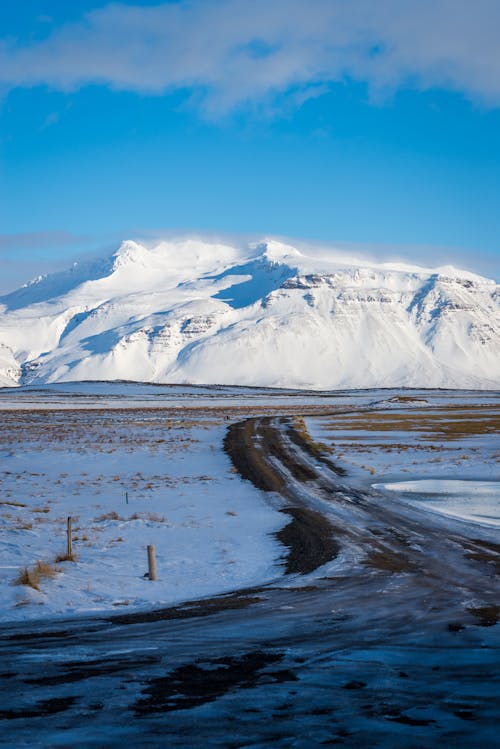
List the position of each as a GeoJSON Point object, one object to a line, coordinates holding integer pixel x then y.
{"type": "Point", "coordinates": [267, 314]}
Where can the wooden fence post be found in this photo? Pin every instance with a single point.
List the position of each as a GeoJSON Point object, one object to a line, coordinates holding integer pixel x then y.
{"type": "Point", "coordinates": [70, 540]}
{"type": "Point", "coordinates": [151, 563]}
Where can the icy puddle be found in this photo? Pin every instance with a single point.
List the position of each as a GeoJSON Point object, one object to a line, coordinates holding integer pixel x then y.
{"type": "Point", "coordinates": [477, 501]}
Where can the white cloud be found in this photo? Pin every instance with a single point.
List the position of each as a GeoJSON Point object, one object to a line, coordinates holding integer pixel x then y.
{"type": "Point", "coordinates": [238, 52]}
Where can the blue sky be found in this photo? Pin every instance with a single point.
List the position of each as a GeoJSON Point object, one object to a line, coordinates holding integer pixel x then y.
{"type": "Point", "coordinates": [375, 125]}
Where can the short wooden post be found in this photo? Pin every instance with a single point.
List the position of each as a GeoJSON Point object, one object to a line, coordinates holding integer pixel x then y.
{"type": "Point", "coordinates": [151, 563]}
{"type": "Point", "coordinates": [70, 540]}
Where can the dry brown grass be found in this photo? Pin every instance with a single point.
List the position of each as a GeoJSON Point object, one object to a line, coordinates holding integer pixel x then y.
{"type": "Point", "coordinates": [445, 423]}
{"type": "Point", "coordinates": [105, 430]}
{"type": "Point", "coordinates": [45, 569]}
{"type": "Point", "coordinates": [65, 558]}
{"type": "Point", "coordinates": [153, 516]}
{"type": "Point", "coordinates": [24, 525]}
{"type": "Point", "coordinates": [31, 576]}
{"type": "Point", "coordinates": [109, 516]}
{"type": "Point", "coordinates": [317, 449]}
{"type": "Point", "coordinates": [28, 577]}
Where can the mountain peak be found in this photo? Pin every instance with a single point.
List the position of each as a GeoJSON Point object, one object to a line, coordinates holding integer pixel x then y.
{"type": "Point", "coordinates": [130, 253]}
{"type": "Point", "coordinates": [264, 313]}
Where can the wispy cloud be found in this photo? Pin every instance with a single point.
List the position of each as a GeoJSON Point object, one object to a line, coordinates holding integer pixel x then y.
{"type": "Point", "coordinates": [239, 52]}
{"type": "Point", "coordinates": [26, 255]}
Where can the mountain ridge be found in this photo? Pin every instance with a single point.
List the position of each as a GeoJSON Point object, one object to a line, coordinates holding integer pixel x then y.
{"type": "Point", "coordinates": [206, 312]}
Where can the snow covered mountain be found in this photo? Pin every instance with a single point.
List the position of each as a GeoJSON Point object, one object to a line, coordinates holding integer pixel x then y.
{"type": "Point", "coordinates": [265, 314]}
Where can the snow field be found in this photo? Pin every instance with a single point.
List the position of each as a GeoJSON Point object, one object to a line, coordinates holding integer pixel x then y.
{"type": "Point", "coordinates": [435, 436]}
{"type": "Point", "coordinates": [212, 531]}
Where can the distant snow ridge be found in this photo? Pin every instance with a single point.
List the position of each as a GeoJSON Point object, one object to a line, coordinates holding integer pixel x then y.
{"type": "Point", "coordinates": [204, 312]}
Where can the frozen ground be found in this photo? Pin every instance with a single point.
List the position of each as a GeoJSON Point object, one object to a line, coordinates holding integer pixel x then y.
{"type": "Point", "coordinates": [96, 395]}
{"type": "Point", "coordinates": [434, 434]}
{"type": "Point", "coordinates": [140, 464]}
{"type": "Point", "coordinates": [212, 531]}
{"type": "Point", "coordinates": [393, 642]}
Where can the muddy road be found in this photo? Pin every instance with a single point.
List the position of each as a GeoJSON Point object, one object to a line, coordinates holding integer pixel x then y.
{"type": "Point", "coordinates": [381, 632]}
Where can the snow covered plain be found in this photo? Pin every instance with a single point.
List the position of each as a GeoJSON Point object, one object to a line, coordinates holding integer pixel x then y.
{"type": "Point", "coordinates": [82, 449]}
{"type": "Point", "coordinates": [448, 436]}
{"type": "Point", "coordinates": [449, 446]}
{"type": "Point", "coordinates": [392, 642]}
{"type": "Point", "coordinates": [143, 464]}
{"type": "Point", "coordinates": [265, 313]}
{"type": "Point", "coordinates": [212, 531]}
